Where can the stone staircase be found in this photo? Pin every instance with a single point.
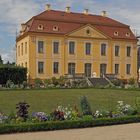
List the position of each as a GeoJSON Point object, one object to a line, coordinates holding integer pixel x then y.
{"type": "Point", "coordinates": [97, 82]}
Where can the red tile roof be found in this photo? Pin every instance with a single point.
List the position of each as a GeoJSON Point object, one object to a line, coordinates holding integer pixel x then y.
{"type": "Point", "coordinates": [68, 22]}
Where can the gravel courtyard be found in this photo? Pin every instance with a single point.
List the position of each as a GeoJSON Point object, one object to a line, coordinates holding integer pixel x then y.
{"type": "Point", "coordinates": [116, 132]}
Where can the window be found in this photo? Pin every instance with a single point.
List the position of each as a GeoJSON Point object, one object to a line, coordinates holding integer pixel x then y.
{"type": "Point", "coordinates": [128, 51]}
{"type": "Point", "coordinates": [55, 47]}
{"type": "Point", "coordinates": [55, 67]}
{"type": "Point", "coordinates": [18, 50]}
{"type": "Point", "coordinates": [88, 32]}
{"type": "Point", "coordinates": [40, 46]}
{"type": "Point", "coordinates": [22, 49]}
{"type": "Point", "coordinates": [128, 68]}
{"type": "Point", "coordinates": [25, 47]}
{"type": "Point", "coordinates": [55, 28]}
{"type": "Point", "coordinates": [117, 50]}
{"type": "Point", "coordinates": [40, 67]}
{"type": "Point", "coordinates": [103, 69]}
{"type": "Point", "coordinates": [71, 47]}
{"type": "Point", "coordinates": [127, 34]}
{"type": "Point", "coordinates": [116, 33]}
{"type": "Point", "coordinates": [71, 68]}
{"type": "Point", "coordinates": [40, 27]}
{"type": "Point", "coordinates": [88, 69]}
{"type": "Point", "coordinates": [26, 64]}
{"type": "Point", "coordinates": [88, 48]}
{"type": "Point", "coordinates": [103, 49]}
{"type": "Point", "coordinates": [116, 68]}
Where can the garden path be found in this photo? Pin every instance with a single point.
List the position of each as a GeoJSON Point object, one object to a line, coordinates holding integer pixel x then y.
{"type": "Point", "coordinates": [116, 132]}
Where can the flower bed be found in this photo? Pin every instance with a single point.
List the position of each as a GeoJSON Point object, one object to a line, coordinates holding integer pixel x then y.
{"type": "Point", "coordinates": [66, 117]}
{"type": "Point", "coordinates": [58, 125]}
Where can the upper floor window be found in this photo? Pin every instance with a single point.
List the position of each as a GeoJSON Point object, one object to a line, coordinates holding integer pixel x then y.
{"type": "Point", "coordinates": [40, 67]}
{"type": "Point", "coordinates": [116, 68]}
{"type": "Point", "coordinates": [128, 34]}
{"type": "Point", "coordinates": [25, 47]}
{"type": "Point", "coordinates": [116, 33]}
{"type": "Point", "coordinates": [71, 47]}
{"type": "Point", "coordinates": [56, 67]}
{"type": "Point", "coordinates": [103, 49]}
{"type": "Point", "coordinates": [18, 50]}
{"type": "Point", "coordinates": [40, 27]}
{"type": "Point", "coordinates": [117, 50]}
{"type": "Point", "coordinates": [88, 48]}
{"type": "Point", "coordinates": [40, 46]}
{"type": "Point", "coordinates": [128, 68]}
{"type": "Point", "coordinates": [128, 51]}
{"type": "Point", "coordinates": [22, 49]}
{"type": "Point", "coordinates": [55, 28]}
{"type": "Point", "coordinates": [56, 47]}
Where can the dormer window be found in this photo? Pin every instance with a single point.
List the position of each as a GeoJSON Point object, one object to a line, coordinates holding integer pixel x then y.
{"type": "Point", "coordinates": [128, 34]}
{"type": "Point", "coordinates": [116, 33]}
{"type": "Point", "coordinates": [55, 28]}
{"type": "Point", "coordinates": [40, 27]}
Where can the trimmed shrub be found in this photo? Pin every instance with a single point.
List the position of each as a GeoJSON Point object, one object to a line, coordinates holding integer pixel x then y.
{"type": "Point", "coordinates": [16, 74]}
{"type": "Point", "coordinates": [57, 125]}
{"type": "Point", "coordinates": [85, 106]}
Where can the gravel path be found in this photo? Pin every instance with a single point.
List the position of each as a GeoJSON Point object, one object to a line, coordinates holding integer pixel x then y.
{"type": "Point", "coordinates": [116, 132]}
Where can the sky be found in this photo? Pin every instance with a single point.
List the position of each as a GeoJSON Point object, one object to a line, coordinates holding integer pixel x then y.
{"type": "Point", "coordinates": [15, 12]}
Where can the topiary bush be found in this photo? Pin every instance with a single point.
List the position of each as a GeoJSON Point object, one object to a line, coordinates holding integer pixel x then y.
{"type": "Point", "coordinates": [85, 106]}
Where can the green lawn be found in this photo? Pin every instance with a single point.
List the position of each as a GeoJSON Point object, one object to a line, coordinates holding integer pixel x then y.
{"type": "Point", "coordinates": [48, 100]}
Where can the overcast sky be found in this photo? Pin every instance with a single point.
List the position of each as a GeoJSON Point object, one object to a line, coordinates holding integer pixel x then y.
{"type": "Point", "coordinates": [15, 12]}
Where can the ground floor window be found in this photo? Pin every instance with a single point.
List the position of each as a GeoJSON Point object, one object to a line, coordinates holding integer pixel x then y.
{"type": "Point", "coordinates": [40, 67]}
{"type": "Point", "coordinates": [71, 68]}
{"type": "Point", "coordinates": [128, 68]}
{"type": "Point", "coordinates": [88, 69]}
{"type": "Point", "coordinates": [55, 67]}
{"type": "Point", "coordinates": [103, 69]}
{"type": "Point", "coordinates": [116, 68]}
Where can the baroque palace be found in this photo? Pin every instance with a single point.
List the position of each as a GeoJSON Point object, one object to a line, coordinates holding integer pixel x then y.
{"type": "Point", "coordinates": [57, 43]}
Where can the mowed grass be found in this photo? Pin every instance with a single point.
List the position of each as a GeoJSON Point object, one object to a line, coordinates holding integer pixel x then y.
{"type": "Point", "coordinates": [48, 100]}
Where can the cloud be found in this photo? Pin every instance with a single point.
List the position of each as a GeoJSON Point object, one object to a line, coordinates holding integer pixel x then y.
{"type": "Point", "coordinates": [15, 12]}
{"type": "Point", "coordinates": [8, 56]}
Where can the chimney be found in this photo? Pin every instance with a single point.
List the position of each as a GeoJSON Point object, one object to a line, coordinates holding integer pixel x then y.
{"type": "Point", "coordinates": [104, 14]}
{"type": "Point", "coordinates": [68, 9]}
{"type": "Point", "coordinates": [86, 11]}
{"type": "Point", "coordinates": [48, 7]}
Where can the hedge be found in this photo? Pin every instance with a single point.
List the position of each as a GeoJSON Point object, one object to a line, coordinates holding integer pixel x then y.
{"type": "Point", "coordinates": [57, 125]}
{"type": "Point", "coordinates": [16, 74]}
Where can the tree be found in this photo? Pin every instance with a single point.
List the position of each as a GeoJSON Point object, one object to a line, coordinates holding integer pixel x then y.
{"type": "Point", "coordinates": [1, 61]}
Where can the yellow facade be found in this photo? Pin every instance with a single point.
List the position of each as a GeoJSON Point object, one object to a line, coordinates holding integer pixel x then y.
{"type": "Point", "coordinates": [29, 57]}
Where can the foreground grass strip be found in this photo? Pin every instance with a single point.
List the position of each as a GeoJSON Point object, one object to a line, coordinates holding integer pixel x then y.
{"type": "Point", "coordinates": [58, 125]}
